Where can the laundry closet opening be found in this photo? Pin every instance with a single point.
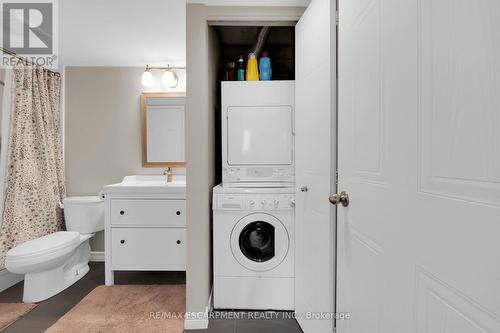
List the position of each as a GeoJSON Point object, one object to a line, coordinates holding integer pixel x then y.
{"type": "Point", "coordinates": [278, 42]}
{"type": "Point", "coordinates": [230, 42]}
{"type": "Point", "coordinates": [253, 205]}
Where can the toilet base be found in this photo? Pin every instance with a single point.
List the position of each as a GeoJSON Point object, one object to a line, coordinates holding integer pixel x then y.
{"type": "Point", "coordinates": [42, 285]}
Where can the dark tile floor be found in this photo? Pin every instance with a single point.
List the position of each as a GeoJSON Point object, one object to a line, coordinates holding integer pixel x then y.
{"type": "Point", "coordinates": [49, 311]}
{"type": "Point", "coordinates": [273, 322]}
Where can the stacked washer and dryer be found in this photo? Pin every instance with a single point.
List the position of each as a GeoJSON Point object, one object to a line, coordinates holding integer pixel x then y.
{"type": "Point", "coordinates": [253, 232]}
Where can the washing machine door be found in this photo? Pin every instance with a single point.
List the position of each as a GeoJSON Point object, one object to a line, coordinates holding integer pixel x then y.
{"type": "Point", "coordinates": [259, 242]}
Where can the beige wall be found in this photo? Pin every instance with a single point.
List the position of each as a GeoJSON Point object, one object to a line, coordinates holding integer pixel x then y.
{"type": "Point", "coordinates": [200, 151]}
{"type": "Point", "coordinates": [102, 129]}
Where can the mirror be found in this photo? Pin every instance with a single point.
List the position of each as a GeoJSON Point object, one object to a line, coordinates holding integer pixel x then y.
{"type": "Point", "coordinates": [162, 122]}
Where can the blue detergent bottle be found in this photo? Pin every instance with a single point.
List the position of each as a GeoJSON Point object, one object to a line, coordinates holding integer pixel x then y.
{"type": "Point", "coordinates": [265, 70]}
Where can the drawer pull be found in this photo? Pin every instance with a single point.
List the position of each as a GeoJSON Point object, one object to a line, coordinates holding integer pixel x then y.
{"type": "Point", "coordinates": [178, 212]}
{"type": "Point", "coordinates": [122, 212]}
{"type": "Point", "coordinates": [178, 241]}
{"type": "Point", "coordinates": [122, 241]}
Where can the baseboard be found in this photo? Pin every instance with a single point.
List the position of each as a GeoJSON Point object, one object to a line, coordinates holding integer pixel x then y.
{"type": "Point", "coordinates": [97, 256]}
{"type": "Point", "coordinates": [8, 279]}
{"type": "Point", "coordinates": [198, 320]}
{"type": "Point", "coordinates": [196, 323]}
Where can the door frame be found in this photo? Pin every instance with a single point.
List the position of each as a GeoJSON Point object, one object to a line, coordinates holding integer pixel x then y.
{"type": "Point", "coordinates": [289, 16]}
{"type": "Point", "coordinates": [198, 279]}
{"type": "Point", "coordinates": [335, 188]}
{"type": "Point", "coordinates": [253, 15]}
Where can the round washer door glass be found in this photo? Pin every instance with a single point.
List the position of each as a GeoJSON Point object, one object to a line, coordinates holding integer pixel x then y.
{"type": "Point", "coordinates": [257, 241]}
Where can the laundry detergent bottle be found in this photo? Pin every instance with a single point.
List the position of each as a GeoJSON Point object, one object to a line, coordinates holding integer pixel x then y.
{"type": "Point", "coordinates": [252, 68]}
{"type": "Point", "coordinates": [265, 71]}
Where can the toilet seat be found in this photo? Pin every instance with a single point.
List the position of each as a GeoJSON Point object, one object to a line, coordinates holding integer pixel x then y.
{"type": "Point", "coordinates": [60, 241]}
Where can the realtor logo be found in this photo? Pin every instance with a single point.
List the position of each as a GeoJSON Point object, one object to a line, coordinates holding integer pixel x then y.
{"type": "Point", "coordinates": [28, 27]}
{"type": "Point", "coordinates": [29, 30]}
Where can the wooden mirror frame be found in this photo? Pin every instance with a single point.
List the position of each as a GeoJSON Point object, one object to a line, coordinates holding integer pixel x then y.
{"type": "Point", "coordinates": [144, 130]}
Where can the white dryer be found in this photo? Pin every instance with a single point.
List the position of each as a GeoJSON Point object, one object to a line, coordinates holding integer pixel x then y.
{"type": "Point", "coordinates": [258, 133]}
{"type": "Point", "coordinates": [253, 241]}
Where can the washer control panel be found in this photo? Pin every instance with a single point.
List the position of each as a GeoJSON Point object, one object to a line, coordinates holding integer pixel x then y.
{"type": "Point", "coordinates": [269, 202]}
{"type": "Point", "coordinates": [254, 202]}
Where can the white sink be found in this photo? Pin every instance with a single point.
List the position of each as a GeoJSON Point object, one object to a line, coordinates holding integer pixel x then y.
{"type": "Point", "coordinates": [148, 184]}
{"type": "Point", "coordinates": [153, 180]}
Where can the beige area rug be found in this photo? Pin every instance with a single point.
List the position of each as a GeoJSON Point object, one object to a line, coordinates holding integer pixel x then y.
{"type": "Point", "coordinates": [10, 312]}
{"type": "Point", "coordinates": [127, 308]}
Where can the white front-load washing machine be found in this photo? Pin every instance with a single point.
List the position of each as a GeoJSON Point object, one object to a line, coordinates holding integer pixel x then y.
{"type": "Point", "coordinates": [253, 242]}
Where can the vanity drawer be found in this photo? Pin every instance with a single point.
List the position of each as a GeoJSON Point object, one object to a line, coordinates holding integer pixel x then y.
{"type": "Point", "coordinates": [148, 249]}
{"type": "Point", "coordinates": [157, 212]}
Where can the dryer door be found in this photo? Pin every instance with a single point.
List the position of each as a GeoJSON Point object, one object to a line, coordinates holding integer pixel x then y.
{"type": "Point", "coordinates": [259, 135]}
{"type": "Point", "coordinates": [259, 242]}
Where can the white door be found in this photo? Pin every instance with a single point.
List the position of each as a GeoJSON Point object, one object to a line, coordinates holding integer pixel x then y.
{"type": "Point", "coordinates": [419, 155]}
{"type": "Point", "coordinates": [315, 166]}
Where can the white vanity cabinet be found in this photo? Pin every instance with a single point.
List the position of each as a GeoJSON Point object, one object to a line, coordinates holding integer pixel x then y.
{"type": "Point", "coordinates": [145, 225]}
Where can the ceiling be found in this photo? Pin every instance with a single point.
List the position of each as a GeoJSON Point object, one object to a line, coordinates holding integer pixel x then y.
{"type": "Point", "coordinates": [131, 32]}
{"type": "Point", "coordinates": [122, 33]}
{"type": "Point", "coordinates": [292, 3]}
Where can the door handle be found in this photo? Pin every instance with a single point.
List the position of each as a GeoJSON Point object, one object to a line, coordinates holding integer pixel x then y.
{"type": "Point", "coordinates": [341, 197]}
{"type": "Point", "coordinates": [304, 189]}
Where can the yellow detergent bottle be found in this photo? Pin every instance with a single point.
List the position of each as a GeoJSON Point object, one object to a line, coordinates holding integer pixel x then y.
{"type": "Point", "coordinates": [252, 68]}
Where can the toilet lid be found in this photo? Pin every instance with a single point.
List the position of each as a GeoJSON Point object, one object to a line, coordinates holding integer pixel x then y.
{"type": "Point", "coordinates": [45, 244]}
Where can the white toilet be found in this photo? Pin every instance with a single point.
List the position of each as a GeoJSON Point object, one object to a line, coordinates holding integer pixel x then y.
{"type": "Point", "coordinates": [56, 261]}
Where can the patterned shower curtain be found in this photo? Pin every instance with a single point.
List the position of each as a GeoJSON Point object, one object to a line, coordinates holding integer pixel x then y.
{"type": "Point", "coordinates": [34, 176]}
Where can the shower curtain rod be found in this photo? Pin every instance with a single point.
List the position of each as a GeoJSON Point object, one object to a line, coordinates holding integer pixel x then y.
{"type": "Point", "coordinates": [13, 54]}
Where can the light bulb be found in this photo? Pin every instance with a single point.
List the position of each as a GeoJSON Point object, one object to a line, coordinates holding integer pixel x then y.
{"type": "Point", "coordinates": [170, 79]}
{"type": "Point", "coordinates": [147, 79]}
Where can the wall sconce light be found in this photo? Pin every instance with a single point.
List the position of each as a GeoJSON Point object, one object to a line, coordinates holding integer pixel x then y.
{"type": "Point", "coordinates": [170, 78]}
{"type": "Point", "coordinates": [147, 78]}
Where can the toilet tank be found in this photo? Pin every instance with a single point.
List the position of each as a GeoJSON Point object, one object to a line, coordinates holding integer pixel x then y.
{"type": "Point", "coordinates": [84, 214]}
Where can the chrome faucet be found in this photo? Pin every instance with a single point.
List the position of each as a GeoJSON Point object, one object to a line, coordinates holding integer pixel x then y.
{"type": "Point", "coordinates": [168, 173]}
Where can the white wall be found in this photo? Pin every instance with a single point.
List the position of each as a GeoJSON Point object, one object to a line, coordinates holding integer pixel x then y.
{"type": "Point", "coordinates": [122, 32]}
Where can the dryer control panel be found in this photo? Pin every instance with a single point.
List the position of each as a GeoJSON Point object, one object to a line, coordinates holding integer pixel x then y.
{"type": "Point", "coordinates": [254, 202]}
